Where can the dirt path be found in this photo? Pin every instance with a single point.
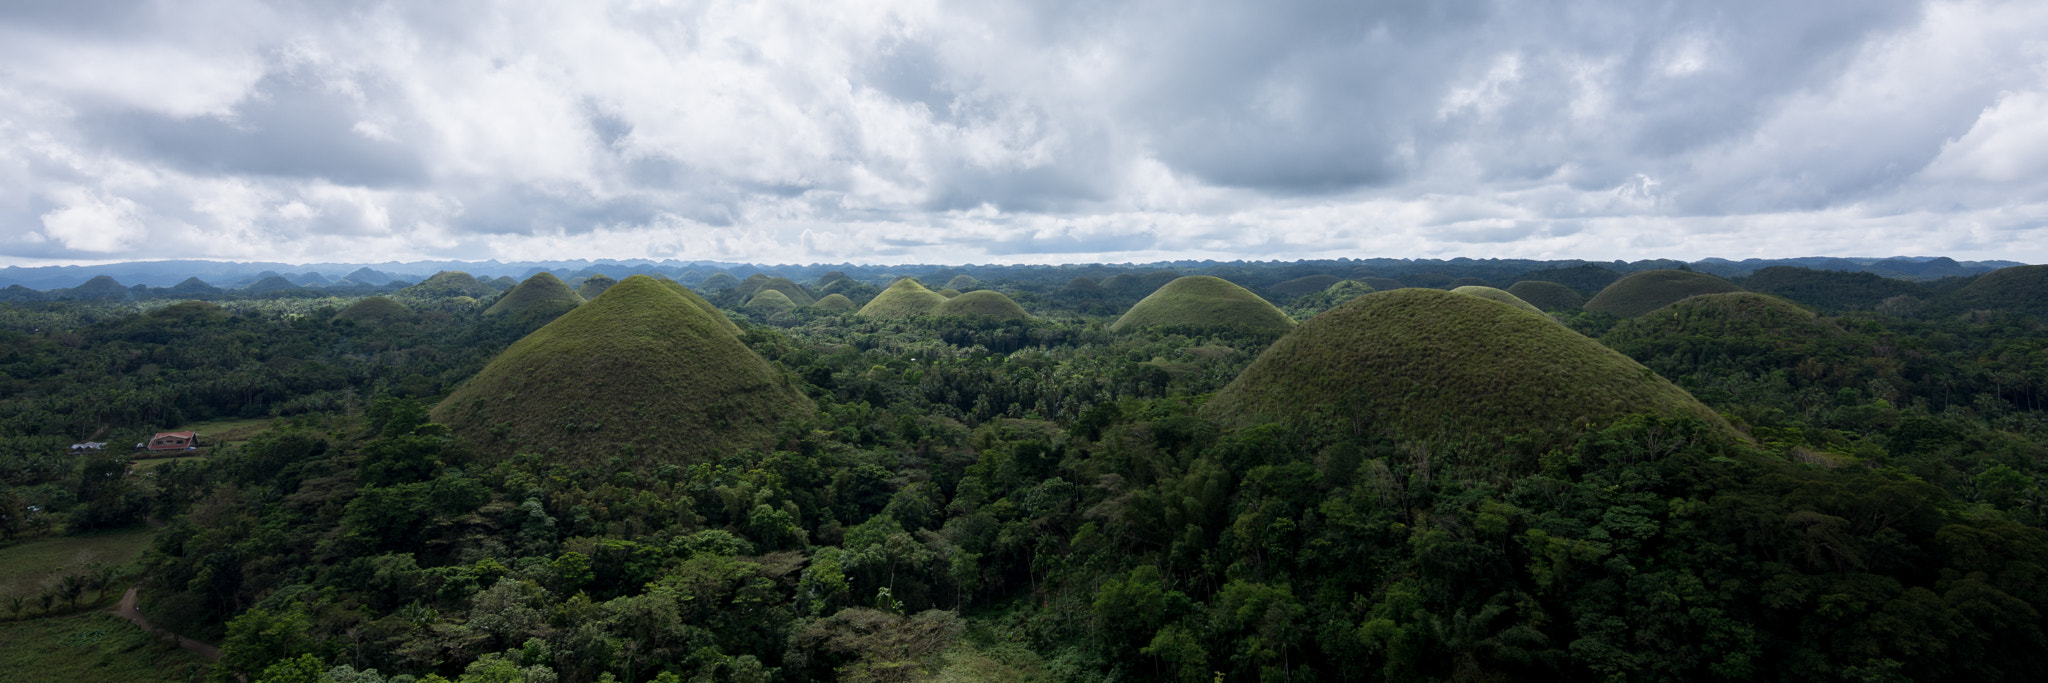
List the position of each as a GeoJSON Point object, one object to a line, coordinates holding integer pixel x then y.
{"type": "Point", "coordinates": [126, 610]}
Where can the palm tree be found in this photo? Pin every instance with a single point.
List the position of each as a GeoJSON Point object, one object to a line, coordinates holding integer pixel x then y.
{"type": "Point", "coordinates": [70, 587]}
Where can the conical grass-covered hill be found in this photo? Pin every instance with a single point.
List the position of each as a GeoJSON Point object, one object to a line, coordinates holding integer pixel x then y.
{"type": "Point", "coordinates": [770, 301]}
{"type": "Point", "coordinates": [1549, 296]}
{"type": "Point", "coordinates": [376, 310]}
{"type": "Point", "coordinates": [594, 286]}
{"type": "Point", "coordinates": [1758, 320]}
{"type": "Point", "coordinates": [787, 287]}
{"type": "Point", "coordinates": [1201, 301]}
{"type": "Point", "coordinates": [639, 372]}
{"type": "Point", "coordinates": [1422, 364]}
{"type": "Point", "coordinates": [1492, 294]}
{"type": "Point", "coordinates": [704, 305]}
{"type": "Point", "coordinates": [834, 303]}
{"type": "Point", "coordinates": [904, 299]}
{"type": "Point", "coordinates": [719, 282]}
{"type": "Point", "coordinates": [984, 303]}
{"type": "Point", "coordinates": [542, 291]}
{"type": "Point", "coordinates": [1650, 290]}
{"type": "Point", "coordinates": [446, 284]}
{"type": "Point", "coordinates": [2023, 289]}
{"type": "Point", "coordinates": [962, 282]}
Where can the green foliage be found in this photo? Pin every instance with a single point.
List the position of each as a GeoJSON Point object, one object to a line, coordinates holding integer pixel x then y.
{"type": "Point", "coordinates": [904, 299]}
{"type": "Point", "coordinates": [962, 282]}
{"type": "Point", "coordinates": [1304, 285]}
{"type": "Point", "coordinates": [1423, 364]}
{"type": "Point", "coordinates": [1830, 290]}
{"type": "Point", "coordinates": [770, 301]}
{"type": "Point", "coordinates": [375, 310]}
{"type": "Point", "coordinates": [639, 372]}
{"type": "Point", "coordinates": [982, 304]}
{"type": "Point", "coordinates": [1203, 302]}
{"type": "Point", "coordinates": [2020, 289]}
{"type": "Point", "coordinates": [1650, 290]}
{"type": "Point", "coordinates": [1492, 294]}
{"type": "Point", "coordinates": [1548, 296]}
{"type": "Point", "coordinates": [446, 284]}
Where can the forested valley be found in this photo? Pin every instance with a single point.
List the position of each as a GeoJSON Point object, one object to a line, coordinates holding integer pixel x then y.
{"type": "Point", "coordinates": [1274, 475]}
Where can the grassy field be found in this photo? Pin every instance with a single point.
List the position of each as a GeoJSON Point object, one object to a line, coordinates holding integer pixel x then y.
{"type": "Point", "coordinates": [26, 567]}
{"type": "Point", "coordinates": [94, 646]}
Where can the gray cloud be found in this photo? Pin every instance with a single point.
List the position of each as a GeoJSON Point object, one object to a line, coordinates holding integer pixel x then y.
{"type": "Point", "coordinates": [1020, 130]}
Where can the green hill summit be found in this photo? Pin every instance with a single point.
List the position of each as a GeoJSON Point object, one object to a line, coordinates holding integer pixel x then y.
{"type": "Point", "coordinates": [2020, 288]}
{"type": "Point", "coordinates": [982, 303]}
{"type": "Point", "coordinates": [1549, 296]}
{"type": "Point", "coordinates": [703, 305]}
{"type": "Point", "coordinates": [543, 290]}
{"type": "Point", "coordinates": [1204, 302]}
{"type": "Point", "coordinates": [835, 303]}
{"type": "Point", "coordinates": [1650, 290]}
{"type": "Point", "coordinates": [1421, 364]}
{"type": "Point", "coordinates": [594, 286]}
{"type": "Point", "coordinates": [639, 372]}
{"type": "Point", "coordinates": [771, 301]}
{"type": "Point", "coordinates": [904, 299]}
{"type": "Point", "coordinates": [1489, 293]}
{"type": "Point", "coordinates": [446, 284]}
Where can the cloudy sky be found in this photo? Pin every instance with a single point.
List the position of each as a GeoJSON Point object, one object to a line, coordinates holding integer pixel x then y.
{"type": "Point", "coordinates": [1016, 131]}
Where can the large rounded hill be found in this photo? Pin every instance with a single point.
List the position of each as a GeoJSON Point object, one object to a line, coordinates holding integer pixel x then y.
{"type": "Point", "coordinates": [904, 299]}
{"type": "Point", "coordinates": [1201, 301]}
{"type": "Point", "coordinates": [2022, 289]}
{"type": "Point", "coordinates": [1650, 290]}
{"type": "Point", "coordinates": [1549, 296]}
{"type": "Point", "coordinates": [1420, 364]}
{"type": "Point", "coordinates": [542, 292]}
{"type": "Point", "coordinates": [639, 372]}
{"type": "Point", "coordinates": [1500, 295]}
{"type": "Point", "coordinates": [1760, 323]}
{"type": "Point", "coordinates": [982, 303]}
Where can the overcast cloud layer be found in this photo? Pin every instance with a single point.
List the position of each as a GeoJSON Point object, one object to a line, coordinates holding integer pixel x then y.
{"type": "Point", "coordinates": [999, 131]}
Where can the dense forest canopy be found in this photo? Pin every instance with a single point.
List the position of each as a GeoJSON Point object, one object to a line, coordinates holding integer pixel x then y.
{"type": "Point", "coordinates": [1329, 475]}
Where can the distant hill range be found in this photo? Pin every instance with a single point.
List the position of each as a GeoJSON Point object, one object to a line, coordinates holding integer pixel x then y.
{"type": "Point", "coordinates": [194, 279]}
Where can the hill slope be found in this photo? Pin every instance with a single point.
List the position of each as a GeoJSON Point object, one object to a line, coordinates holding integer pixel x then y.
{"type": "Point", "coordinates": [1420, 364]}
{"type": "Point", "coordinates": [1492, 294]}
{"type": "Point", "coordinates": [703, 305]}
{"type": "Point", "coordinates": [376, 310]}
{"type": "Point", "coordinates": [1549, 296]}
{"type": "Point", "coordinates": [1204, 302]}
{"type": "Point", "coordinates": [835, 303]}
{"type": "Point", "coordinates": [543, 290]}
{"type": "Point", "coordinates": [904, 299]}
{"type": "Point", "coordinates": [638, 372]}
{"type": "Point", "coordinates": [1650, 290]}
{"type": "Point", "coordinates": [2020, 288]}
{"type": "Point", "coordinates": [984, 303]}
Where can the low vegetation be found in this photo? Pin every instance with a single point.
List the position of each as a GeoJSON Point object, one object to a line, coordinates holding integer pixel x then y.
{"type": "Point", "coordinates": [1203, 302]}
{"type": "Point", "coordinates": [1492, 294]}
{"type": "Point", "coordinates": [982, 304]}
{"type": "Point", "coordinates": [1549, 296]}
{"type": "Point", "coordinates": [906, 298]}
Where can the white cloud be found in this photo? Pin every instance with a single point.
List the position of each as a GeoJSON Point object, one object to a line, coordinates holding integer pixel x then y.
{"type": "Point", "coordinates": [1022, 131]}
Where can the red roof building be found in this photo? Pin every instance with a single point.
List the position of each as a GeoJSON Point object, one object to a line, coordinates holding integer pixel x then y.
{"type": "Point", "coordinates": [174, 441]}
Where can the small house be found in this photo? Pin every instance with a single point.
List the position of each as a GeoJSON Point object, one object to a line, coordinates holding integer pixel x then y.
{"type": "Point", "coordinates": [173, 441]}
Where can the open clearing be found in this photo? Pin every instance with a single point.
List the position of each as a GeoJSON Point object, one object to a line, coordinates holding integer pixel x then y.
{"type": "Point", "coordinates": [94, 646]}
{"type": "Point", "coordinates": [26, 567]}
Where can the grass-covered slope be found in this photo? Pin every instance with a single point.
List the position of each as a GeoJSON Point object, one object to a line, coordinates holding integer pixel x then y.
{"type": "Point", "coordinates": [1756, 318]}
{"type": "Point", "coordinates": [789, 288]}
{"type": "Point", "coordinates": [1549, 296]}
{"type": "Point", "coordinates": [543, 290]}
{"type": "Point", "coordinates": [1304, 285]}
{"type": "Point", "coordinates": [1493, 294]}
{"type": "Point", "coordinates": [1421, 364]}
{"type": "Point", "coordinates": [982, 304]}
{"type": "Point", "coordinates": [703, 305]}
{"type": "Point", "coordinates": [2020, 288]}
{"type": "Point", "coordinates": [719, 282]}
{"type": "Point", "coordinates": [1650, 290]}
{"type": "Point", "coordinates": [962, 282]}
{"type": "Point", "coordinates": [770, 301]}
{"type": "Point", "coordinates": [1202, 301]}
{"type": "Point", "coordinates": [1382, 284]}
{"type": "Point", "coordinates": [446, 284]}
{"type": "Point", "coordinates": [639, 372]}
{"type": "Point", "coordinates": [594, 286]}
{"type": "Point", "coordinates": [834, 303]}
{"type": "Point", "coordinates": [904, 299]}
{"type": "Point", "coordinates": [376, 310]}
